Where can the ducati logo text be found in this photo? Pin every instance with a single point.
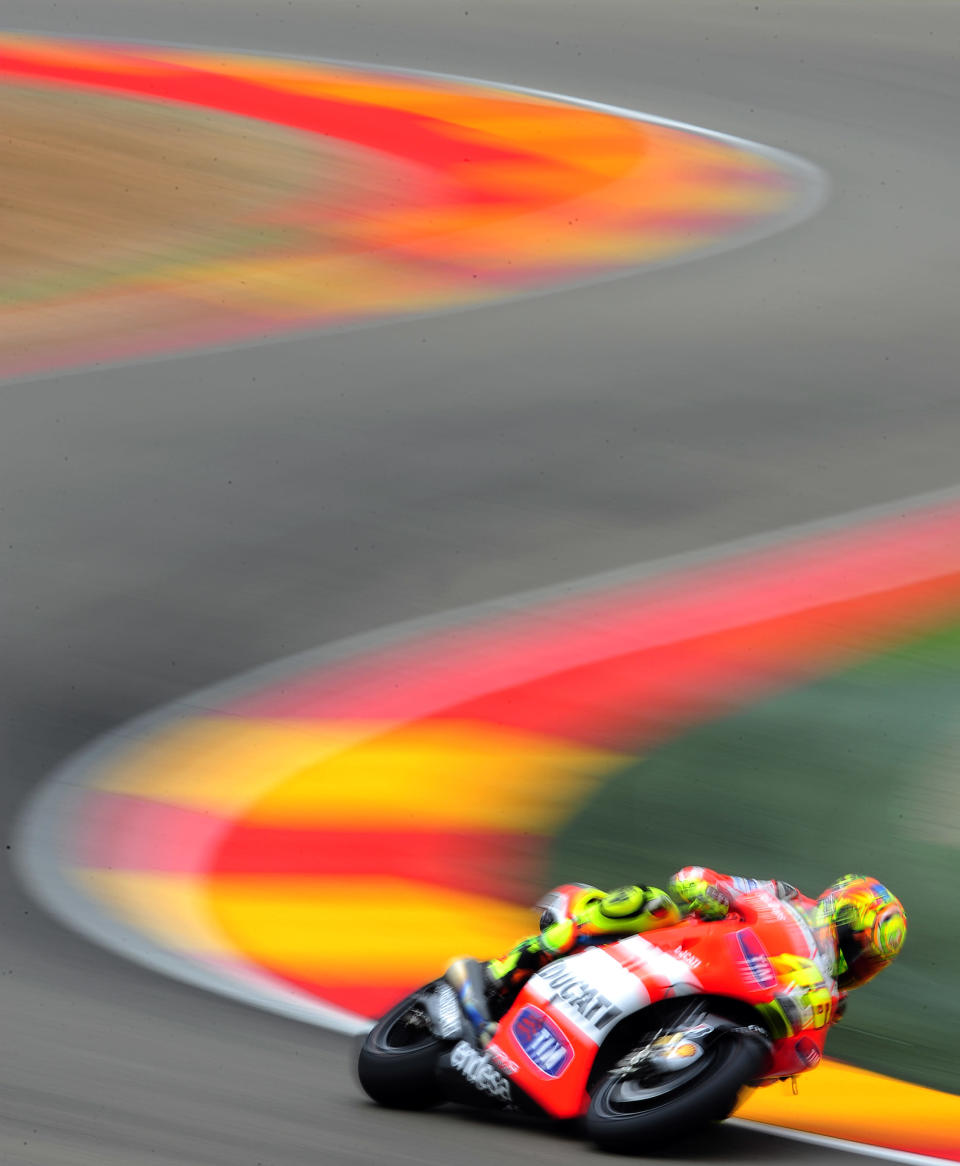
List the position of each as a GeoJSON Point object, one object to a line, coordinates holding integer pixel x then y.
{"type": "Point", "coordinates": [593, 1007]}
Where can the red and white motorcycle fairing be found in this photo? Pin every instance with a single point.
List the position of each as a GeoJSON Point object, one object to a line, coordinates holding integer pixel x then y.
{"type": "Point", "coordinates": [548, 1041]}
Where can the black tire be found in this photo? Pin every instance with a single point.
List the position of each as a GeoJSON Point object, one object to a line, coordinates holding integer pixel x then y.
{"type": "Point", "coordinates": [397, 1062]}
{"type": "Point", "coordinates": [622, 1125]}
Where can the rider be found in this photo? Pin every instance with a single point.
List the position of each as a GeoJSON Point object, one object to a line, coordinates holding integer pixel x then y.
{"type": "Point", "coordinates": [858, 925]}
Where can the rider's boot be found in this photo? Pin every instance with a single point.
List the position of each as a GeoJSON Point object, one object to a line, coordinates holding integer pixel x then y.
{"type": "Point", "coordinates": [470, 979]}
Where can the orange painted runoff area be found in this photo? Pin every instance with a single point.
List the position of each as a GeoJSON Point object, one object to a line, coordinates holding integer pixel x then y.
{"type": "Point", "coordinates": [842, 1101]}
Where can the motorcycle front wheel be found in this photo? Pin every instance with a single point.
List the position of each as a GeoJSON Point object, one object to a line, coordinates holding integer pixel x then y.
{"type": "Point", "coordinates": [629, 1113]}
{"type": "Point", "coordinates": [398, 1058]}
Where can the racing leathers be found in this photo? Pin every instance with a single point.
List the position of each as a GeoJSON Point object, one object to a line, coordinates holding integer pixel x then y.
{"type": "Point", "coordinates": [806, 994]}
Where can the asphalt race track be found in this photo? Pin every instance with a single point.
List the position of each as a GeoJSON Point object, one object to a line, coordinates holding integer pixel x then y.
{"type": "Point", "coordinates": [168, 524]}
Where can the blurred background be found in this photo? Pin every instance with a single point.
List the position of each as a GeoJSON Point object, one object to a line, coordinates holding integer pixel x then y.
{"type": "Point", "coordinates": [179, 507]}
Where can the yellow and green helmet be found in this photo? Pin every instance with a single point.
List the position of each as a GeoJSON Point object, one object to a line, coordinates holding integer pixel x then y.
{"type": "Point", "coordinates": [869, 924]}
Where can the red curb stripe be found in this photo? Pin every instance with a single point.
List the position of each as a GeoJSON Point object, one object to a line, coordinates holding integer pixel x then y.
{"type": "Point", "coordinates": [500, 864]}
{"type": "Point", "coordinates": [129, 833]}
{"type": "Point", "coordinates": [837, 573]}
{"type": "Point", "coordinates": [391, 131]}
{"type": "Point", "coordinates": [645, 695]}
{"type": "Point", "coordinates": [134, 834]}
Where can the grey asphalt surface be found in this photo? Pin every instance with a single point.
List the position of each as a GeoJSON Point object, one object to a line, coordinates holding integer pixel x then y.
{"type": "Point", "coordinates": [167, 525]}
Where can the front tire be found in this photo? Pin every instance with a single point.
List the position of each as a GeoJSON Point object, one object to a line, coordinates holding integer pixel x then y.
{"type": "Point", "coordinates": [398, 1059]}
{"type": "Point", "coordinates": [625, 1118]}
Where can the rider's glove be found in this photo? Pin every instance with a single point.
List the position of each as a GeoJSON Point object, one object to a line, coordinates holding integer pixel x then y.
{"type": "Point", "coordinates": [701, 896]}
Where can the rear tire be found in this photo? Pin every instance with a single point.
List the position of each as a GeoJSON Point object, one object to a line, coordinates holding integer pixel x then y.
{"type": "Point", "coordinates": [398, 1061]}
{"type": "Point", "coordinates": [624, 1121]}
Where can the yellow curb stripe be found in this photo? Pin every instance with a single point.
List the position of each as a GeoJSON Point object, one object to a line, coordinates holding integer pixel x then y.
{"type": "Point", "coordinates": [400, 930]}
{"type": "Point", "coordinates": [171, 909]}
{"type": "Point", "coordinates": [442, 775]}
{"type": "Point", "coordinates": [368, 929]}
{"type": "Point", "coordinates": [222, 764]}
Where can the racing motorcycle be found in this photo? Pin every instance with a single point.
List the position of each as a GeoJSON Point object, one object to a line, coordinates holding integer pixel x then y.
{"type": "Point", "coordinates": [646, 1038]}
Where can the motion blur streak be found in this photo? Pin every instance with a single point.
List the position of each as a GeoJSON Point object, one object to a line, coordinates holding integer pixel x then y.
{"type": "Point", "coordinates": [353, 781]}
{"type": "Point", "coordinates": [379, 195]}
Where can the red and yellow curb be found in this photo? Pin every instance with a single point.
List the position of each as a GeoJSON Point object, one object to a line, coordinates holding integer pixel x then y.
{"type": "Point", "coordinates": [340, 826]}
{"type": "Point", "coordinates": [464, 193]}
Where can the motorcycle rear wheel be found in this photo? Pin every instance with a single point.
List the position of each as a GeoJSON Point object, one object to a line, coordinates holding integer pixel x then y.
{"type": "Point", "coordinates": [398, 1060]}
{"type": "Point", "coordinates": [626, 1118]}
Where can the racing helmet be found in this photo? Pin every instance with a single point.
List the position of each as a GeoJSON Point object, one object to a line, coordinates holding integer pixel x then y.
{"type": "Point", "coordinates": [566, 901]}
{"type": "Point", "coordinates": [868, 923]}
